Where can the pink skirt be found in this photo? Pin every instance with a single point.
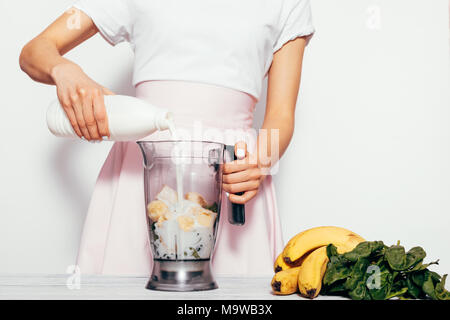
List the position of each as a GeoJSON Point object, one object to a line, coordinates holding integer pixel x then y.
{"type": "Point", "coordinates": [115, 239]}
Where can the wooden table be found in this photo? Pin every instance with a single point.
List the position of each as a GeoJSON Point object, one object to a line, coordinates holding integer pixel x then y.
{"type": "Point", "coordinates": [112, 287]}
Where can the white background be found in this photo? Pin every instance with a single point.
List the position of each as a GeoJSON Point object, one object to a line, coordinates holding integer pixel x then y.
{"type": "Point", "coordinates": [371, 150]}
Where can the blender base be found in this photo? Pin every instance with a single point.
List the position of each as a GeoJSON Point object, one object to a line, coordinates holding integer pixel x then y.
{"type": "Point", "coordinates": [181, 275]}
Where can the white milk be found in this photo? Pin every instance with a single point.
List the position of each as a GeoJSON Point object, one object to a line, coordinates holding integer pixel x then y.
{"type": "Point", "coordinates": [178, 167]}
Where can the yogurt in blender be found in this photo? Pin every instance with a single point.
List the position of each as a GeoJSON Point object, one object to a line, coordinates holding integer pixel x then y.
{"type": "Point", "coordinates": [183, 229]}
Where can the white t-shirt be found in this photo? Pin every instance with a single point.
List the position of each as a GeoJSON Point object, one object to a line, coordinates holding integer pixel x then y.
{"type": "Point", "coordinates": [228, 43]}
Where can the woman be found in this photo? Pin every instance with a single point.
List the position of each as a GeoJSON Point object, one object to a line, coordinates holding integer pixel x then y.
{"type": "Point", "coordinates": [206, 61]}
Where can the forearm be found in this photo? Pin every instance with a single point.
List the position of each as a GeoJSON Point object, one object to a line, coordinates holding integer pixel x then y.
{"type": "Point", "coordinates": [39, 58]}
{"type": "Point", "coordinates": [274, 138]}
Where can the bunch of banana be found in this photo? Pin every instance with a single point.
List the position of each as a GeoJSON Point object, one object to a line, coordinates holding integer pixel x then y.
{"type": "Point", "coordinates": [303, 262]}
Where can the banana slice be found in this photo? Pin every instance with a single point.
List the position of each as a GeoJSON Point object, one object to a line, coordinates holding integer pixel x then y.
{"type": "Point", "coordinates": [168, 195]}
{"type": "Point", "coordinates": [164, 217]}
{"type": "Point", "coordinates": [204, 216]}
{"type": "Point", "coordinates": [185, 223]}
{"type": "Point", "coordinates": [157, 209]}
{"type": "Point", "coordinates": [196, 197]}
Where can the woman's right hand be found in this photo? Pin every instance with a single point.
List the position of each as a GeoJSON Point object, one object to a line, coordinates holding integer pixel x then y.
{"type": "Point", "coordinates": [82, 100]}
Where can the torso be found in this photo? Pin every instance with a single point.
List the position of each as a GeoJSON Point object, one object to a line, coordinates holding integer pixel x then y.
{"type": "Point", "coordinates": [223, 42]}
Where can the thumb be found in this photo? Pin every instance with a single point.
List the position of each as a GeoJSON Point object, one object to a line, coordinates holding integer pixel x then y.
{"type": "Point", "coordinates": [240, 150]}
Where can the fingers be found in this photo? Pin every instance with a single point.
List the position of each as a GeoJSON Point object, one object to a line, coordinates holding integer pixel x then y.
{"type": "Point", "coordinates": [88, 114]}
{"type": "Point", "coordinates": [240, 150]}
{"type": "Point", "coordinates": [100, 114]}
{"type": "Point", "coordinates": [242, 176]}
{"type": "Point", "coordinates": [244, 162]}
{"type": "Point", "coordinates": [241, 186]}
{"type": "Point", "coordinates": [86, 111]}
{"type": "Point", "coordinates": [78, 108]}
{"type": "Point", "coordinates": [67, 106]}
{"type": "Point", "coordinates": [238, 165]}
{"type": "Point", "coordinates": [246, 197]}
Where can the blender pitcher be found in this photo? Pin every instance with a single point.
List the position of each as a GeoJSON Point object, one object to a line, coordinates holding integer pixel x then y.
{"type": "Point", "coordinates": [183, 195]}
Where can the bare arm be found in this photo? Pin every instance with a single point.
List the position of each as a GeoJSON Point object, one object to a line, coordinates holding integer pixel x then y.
{"type": "Point", "coordinates": [82, 98]}
{"type": "Point", "coordinates": [41, 55]}
{"type": "Point", "coordinates": [284, 80]}
{"type": "Point", "coordinates": [282, 94]}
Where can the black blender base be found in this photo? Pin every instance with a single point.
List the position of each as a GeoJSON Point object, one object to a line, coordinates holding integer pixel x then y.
{"type": "Point", "coordinates": [181, 276]}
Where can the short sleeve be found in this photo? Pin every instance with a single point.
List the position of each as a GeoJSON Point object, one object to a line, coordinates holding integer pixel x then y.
{"type": "Point", "coordinates": [112, 18]}
{"type": "Point", "coordinates": [295, 21]}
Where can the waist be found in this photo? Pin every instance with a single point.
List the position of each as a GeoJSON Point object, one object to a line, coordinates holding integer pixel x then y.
{"type": "Point", "coordinates": [193, 103]}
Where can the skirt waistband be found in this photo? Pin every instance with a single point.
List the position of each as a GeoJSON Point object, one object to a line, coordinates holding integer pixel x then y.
{"type": "Point", "coordinates": [193, 102]}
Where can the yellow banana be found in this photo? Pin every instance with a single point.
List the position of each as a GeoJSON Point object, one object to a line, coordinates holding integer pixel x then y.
{"type": "Point", "coordinates": [311, 273]}
{"type": "Point", "coordinates": [285, 282]}
{"type": "Point", "coordinates": [279, 264]}
{"type": "Point", "coordinates": [314, 238]}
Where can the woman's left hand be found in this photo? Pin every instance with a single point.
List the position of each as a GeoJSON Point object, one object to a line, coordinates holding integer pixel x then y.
{"type": "Point", "coordinates": [242, 175]}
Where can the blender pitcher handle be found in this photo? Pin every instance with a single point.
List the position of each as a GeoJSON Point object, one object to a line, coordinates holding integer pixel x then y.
{"type": "Point", "coordinates": [236, 212]}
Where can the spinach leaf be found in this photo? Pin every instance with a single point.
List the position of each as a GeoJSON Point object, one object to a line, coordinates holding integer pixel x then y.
{"type": "Point", "coordinates": [440, 291]}
{"type": "Point", "coordinates": [359, 292]}
{"type": "Point", "coordinates": [364, 250]}
{"type": "Point", "coordinates": [420, 266]}
{"type": "Point", "coordinates": [397, 293]}
{"type": "Point", "coordinates": [375, 271]}
{"type": "Point", "coordinates": [399, 260]}
{"type": "Point", "coordinates": [357, 274]}
{"type": "Point", "coordinates": [414, 290]}
{"type": "Point", "coordinates": [213, 207]}
{"type": "Point", "coordinates": [337, 267]}
{"type": "Point", "coordinates": [427, 285]}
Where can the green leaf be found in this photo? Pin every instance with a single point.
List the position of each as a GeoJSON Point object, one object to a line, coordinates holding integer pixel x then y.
{"type": "Point", "coordinates": [332, 251]}
{"type": "Point", "coordinates": [336, 288]}
{"type": "Point", "coordinates": [364, 250]}
{"type": "Point", "coordinates": [428, 286]}
{"type": "Point", "coordinates": [359, 292]}
{"type": "Point", "coordinates": [357, 274]}
{"type": "Point", "coordinates": [435, 277]}
{"type": "Point", "coordinates": [420, 266]}
{"type": "Point", "coordinates": [399, 260]}
{"type": "Point", "coordinates": [440, 291]}
{"type": "Point", "coordinates": [337, 267]}
{"type": "Point", "coordinates": [396, 257]}
{"type": "Point", "coordinates": [397, 293]}
{"type": "Point", "coordinates": [414, 256]}
{"type": "Point", "coordinates": [414, 290]}
{"type": "Point", "coordinates": [336, 270]}
{"type": "Point", "coordinates": [418, 278]}
{"type": "Point", "coordinates": [213, 207]}
{"type": "Point", "coordinates": [194, 253]}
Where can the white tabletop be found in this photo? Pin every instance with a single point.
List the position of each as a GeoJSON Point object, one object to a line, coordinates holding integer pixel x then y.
{"type": "Point", "coordinates": [112, 287]}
